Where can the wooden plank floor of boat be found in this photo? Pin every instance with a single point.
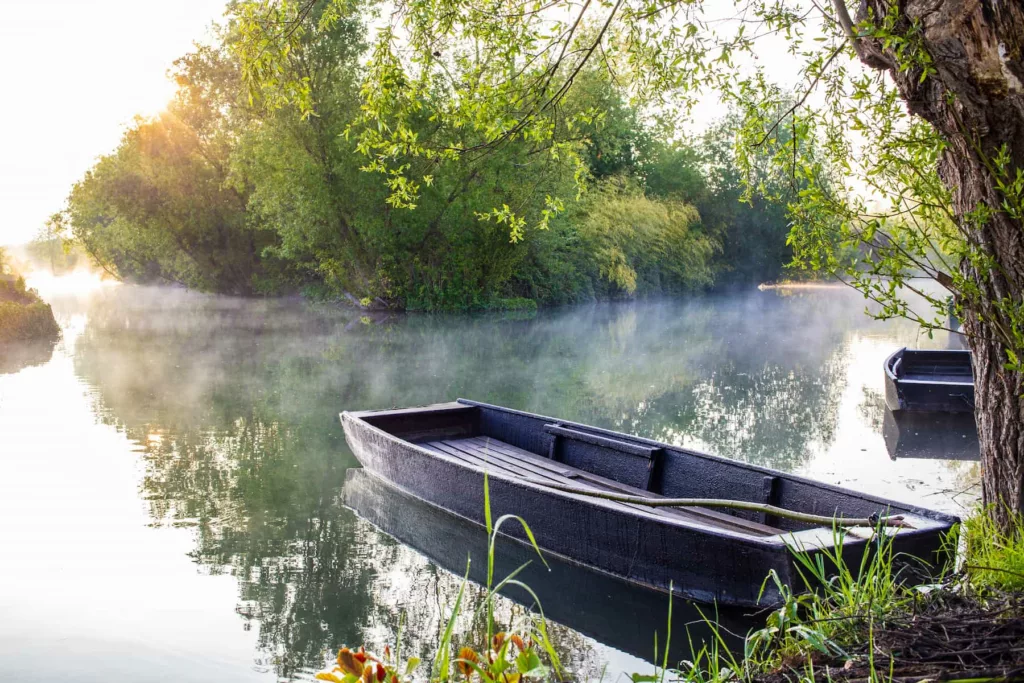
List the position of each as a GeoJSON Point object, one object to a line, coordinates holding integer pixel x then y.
{"type": "Point", "coordinates": [498, 456]}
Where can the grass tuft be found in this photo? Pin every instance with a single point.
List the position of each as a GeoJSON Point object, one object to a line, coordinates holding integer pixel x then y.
{"type": "Point", "coordinates": [994, 558]}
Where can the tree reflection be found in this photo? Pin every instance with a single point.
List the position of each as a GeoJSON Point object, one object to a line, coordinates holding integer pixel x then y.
{"type": "Point", "coordinates": [15, 356]}
{"type": "Point", "coordinates": [234, 406]}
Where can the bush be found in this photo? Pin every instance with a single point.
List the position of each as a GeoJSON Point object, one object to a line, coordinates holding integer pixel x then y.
{"type": "Point", "coordinates": [13, 289]}
{"type": "Point", "coordinates": [24, 322]}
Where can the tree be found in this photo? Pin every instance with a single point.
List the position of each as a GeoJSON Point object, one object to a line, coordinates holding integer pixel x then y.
{"type": "Point", "coordinates": [160, 207]}
{"type": "Point", "coordinates": [918, 106]}
{"type": "Point", "coordinates": [634, 238]}
{"type": "Point", "coordinates": [967, 84]}
{"type": "Point", "coordinates": [746, 214]}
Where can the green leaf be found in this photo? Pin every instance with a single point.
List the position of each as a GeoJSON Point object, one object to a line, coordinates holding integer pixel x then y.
{"type": "Point", "coordinates": [529, 664]}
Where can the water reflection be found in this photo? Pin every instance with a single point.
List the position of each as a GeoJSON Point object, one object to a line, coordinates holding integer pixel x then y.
{"type": "Point", "coordinates": [16, 356]}
{"type": "Point", "coordinates": [935, 436]}
{"type": "Point", "coordinates": [232, 406]}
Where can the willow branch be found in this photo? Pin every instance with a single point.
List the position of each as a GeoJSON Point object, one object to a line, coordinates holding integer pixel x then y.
{"type": "Point", "coordinates": [871, 59]}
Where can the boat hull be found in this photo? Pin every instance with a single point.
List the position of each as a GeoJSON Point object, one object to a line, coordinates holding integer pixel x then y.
{"type": "Point", "coordinates": [702, 563]}
{"type": "Point", "coordinates": [614, 612]}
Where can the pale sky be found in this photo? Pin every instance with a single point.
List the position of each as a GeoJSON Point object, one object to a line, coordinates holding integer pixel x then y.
{"type": "Point", "coordinates": [75, 72]}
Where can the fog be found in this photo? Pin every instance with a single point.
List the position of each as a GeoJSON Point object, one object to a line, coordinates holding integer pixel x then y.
{"type": "Point", "coordinates": [222, 413]}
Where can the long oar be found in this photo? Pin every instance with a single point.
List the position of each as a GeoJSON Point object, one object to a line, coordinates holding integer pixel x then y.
{"type": "Point", "coordinates": [820, 520]}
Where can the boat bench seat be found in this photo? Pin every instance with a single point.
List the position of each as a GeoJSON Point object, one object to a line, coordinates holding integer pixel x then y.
{"type": "Point", "coordinates": [500, 457]}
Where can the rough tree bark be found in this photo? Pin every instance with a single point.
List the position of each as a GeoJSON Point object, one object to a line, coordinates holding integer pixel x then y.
{"type": "Point", "coordinates": [976, 101]}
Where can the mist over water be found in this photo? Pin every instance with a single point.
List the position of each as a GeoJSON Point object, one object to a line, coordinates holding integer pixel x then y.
{"type": "Point", "coordinates": [171, 472]}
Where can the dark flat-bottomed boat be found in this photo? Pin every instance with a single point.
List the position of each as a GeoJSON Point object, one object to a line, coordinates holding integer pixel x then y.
{"type": "Point", "coordinates": [548, 471]}
{"type": "Point", "coordinates": [929, 381]}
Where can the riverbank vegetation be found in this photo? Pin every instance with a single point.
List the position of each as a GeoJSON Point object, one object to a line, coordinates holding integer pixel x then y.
{"type": "Point", "coordinates": [874, 622]}
{"type": "Point", "coordinates": [867, 622]}
{"type": "Point", "coordinates": [23, 315]}
{"type": "Point", "coordinates": [226, 192]}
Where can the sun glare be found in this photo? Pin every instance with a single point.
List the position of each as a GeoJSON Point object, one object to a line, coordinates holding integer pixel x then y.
{"type": "Point", "coordinates": [77, 283]}
{"type": "Point", "coordinates": [94, 67]}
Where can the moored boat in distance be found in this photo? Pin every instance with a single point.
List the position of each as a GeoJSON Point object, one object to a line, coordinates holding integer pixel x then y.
{"type": "Point", "coordinates": [554, 473]}
{"type": "Point", "coordinates": [929, 381]}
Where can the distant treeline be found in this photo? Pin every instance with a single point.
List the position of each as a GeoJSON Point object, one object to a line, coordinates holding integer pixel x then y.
{"type": "Point", "coordinates": [231, 193]}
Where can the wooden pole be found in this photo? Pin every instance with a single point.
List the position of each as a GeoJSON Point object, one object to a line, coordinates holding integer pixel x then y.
{"type": "Point", "coordinates": [820, 520]}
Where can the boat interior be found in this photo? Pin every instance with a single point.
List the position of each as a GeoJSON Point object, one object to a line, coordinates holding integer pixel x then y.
{"type": "Point", "coordinates": [933, 366]}
{"type": "Point", "coordinates": [497, 456]}
{"type": "Point", "coordinates": [546, 451]}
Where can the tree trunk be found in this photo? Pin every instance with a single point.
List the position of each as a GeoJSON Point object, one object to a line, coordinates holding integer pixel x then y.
{"type": "Point", "coordinates": [976, 102]}
{"type": "Point", "coordinates": [1000, 433]}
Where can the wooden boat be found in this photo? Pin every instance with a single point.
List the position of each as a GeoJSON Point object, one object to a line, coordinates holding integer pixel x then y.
{"type": "Point", "coordinates": [549, 472]}
{"type": "Point", "coordinates": [933, 381]}
{"type": "Point", "coordinates": [615, 612]}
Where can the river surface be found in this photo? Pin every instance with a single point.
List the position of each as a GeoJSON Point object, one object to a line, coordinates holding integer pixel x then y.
{"type": "Point", "coordinates": [172, 473]}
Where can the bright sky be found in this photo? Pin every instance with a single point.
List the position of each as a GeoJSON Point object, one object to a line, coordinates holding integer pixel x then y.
{"type": "Point", "coordinates": [75, 72]}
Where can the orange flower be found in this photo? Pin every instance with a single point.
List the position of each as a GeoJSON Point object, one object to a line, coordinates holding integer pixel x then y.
{"type": "Point", "coordinates": [369, 675]}
{"type": "Point", "coordinates": [380, 672]}
{"type": "Point", "coordinates": [361, 656]}
{"type": "Point", "coordinates": [498, 641]}
{"type": "Point", "coordinates": [348, 661]}
{"type": "Point", "coordinates": [387, 652]}
{"type": "Point", "coordinates": [518, 641]}
{"type": "Point", "coordinates": [467, 658]}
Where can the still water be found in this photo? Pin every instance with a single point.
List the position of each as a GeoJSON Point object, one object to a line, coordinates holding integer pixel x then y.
{"type": "Point", "coordinates": [172, 473]}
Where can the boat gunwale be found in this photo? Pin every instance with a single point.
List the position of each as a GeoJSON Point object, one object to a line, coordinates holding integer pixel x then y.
{"type": "Point", "coordinates": [890, 360]}
{"type": "Point", "coordinates": [812, 536]}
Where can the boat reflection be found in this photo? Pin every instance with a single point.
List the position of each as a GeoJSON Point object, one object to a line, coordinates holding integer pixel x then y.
{"type": "Point", "coordinates": [621, 615]}
{"type": "Point", "coordinates": [931, 435]}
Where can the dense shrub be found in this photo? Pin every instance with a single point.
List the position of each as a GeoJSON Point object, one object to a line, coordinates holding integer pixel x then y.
{"type": "Point", "coordinates": [13, 289]}
{"type": "Point", "coordinates": [23, 316]}
{"type": "Point", "coordinates": [25, 322]}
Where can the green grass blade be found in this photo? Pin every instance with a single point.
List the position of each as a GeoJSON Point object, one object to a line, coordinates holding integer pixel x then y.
{"type": "Point", "coordinates": [487, 504]}
{"type": "Point", "coordinates": [442, 660]}
{"type": "Point", "coordinates": [668, 632]}
{"type": "Point", "coordinates": [526, 529]}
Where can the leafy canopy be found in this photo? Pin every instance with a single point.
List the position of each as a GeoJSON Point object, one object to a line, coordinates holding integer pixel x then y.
{"type": "Point", "coordinates": [865, 198]}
